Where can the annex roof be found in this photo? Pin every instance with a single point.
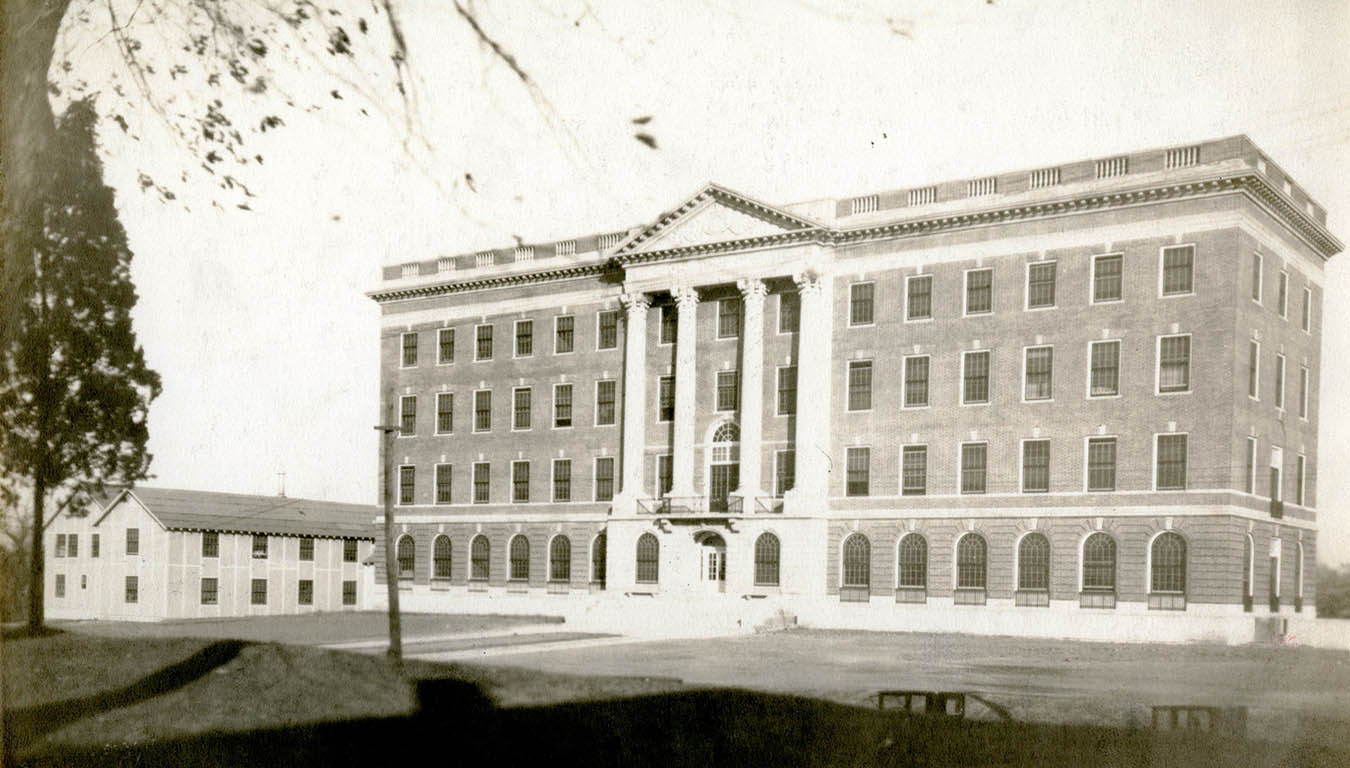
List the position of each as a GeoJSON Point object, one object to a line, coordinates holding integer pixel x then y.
{"type": "Point", "coordinates": [185, 510]}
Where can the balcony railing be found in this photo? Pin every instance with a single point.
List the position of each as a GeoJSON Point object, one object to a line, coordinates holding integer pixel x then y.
{"type": "Point", "coordinates": [705, 505]}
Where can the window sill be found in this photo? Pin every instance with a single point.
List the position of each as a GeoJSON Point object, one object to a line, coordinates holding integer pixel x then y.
{"type": "Point", "coordinates": [968, 596]}
{"type": "Point", "coordinates": [1166, 602]}
{"type": "Point", "coordinates": [1031, 598]}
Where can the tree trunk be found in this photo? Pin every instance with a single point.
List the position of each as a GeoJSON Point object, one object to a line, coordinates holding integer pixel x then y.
{"type": "Point", "coordinates": [37, 564]}
{"type": "Point", "coordinates": [27, 35]}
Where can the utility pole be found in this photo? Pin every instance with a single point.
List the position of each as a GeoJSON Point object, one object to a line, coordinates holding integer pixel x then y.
{"type": "Point", "coordinates": [388, 430]}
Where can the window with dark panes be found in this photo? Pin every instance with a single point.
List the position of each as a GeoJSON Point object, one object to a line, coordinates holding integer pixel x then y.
{"type": "Point", "coordinates": [445, 412]}
{"type": "Point", "coordinates": [60, 545]}
{"type": "Point", "coordinates": [598, 559]}
{"type": "Point", "coordinates": [520, 482]}
{"type": "Point", "coordinates": [560, 559]}
{"type": "Point", "coordinates": [728, 390]}
{"type": "Point", "coordinates": [975, 377]}
{"type": "Point", "coordinates": [857, 561]}
{"type": "Point", "coordinates": [1105, 369]}
{"type": "Point", "coordinates": [1253, 369]}
{"type": "Point", "coordinates": [787, 390]}
{"type": "Point", "coordinates": [1169, 563]}
{"type": "Point", "coordinates": [307, 548]}
{"type": "Point", "coordinates": [1279, 381]}
{"type": "Point", "coordinates": [974, 466]}
{"type": "Point", "coordinates": [443, 483]}
{"type": "Point", "coordinates": [608, 333]}
{"type": "Point", "coordinates": [1040, 373]}
{"type": "Point", "coordinates": [210, 544]}
{"type": "Point", "coordinates": [133, 589]}
{"type": "Point", "coordinates": [407, 415]}
{"type": "Point", "coordinates": [562, 480]}
{"type": "Point", "coordinates": [971, 562]}
{"type": "Point", "coordinates": [860, 385]}
{"type": "Point", "coordinates": [1035, 466]}
{"type": "Point", "coordinates": [520, 407]}
{"type": "Point", "coordinates": [1099, 563]}
{"type": "Point", "coordinates": [1171, 462]}
{"type": "Point", "coordinates": [914, 470]}
{"type": "Point", "coordinates": [407, 484]}
{"type": "Point", "coordinates": [979, 291]}
{"type": "Point", "coordinates": [482, 482]}
{"type": "Point", "coordinates": [482, 410]}
{"type": "Point", "coordinates": [1178, 266]}
{"type": "Point", "coordinates": [670, 325]}
{"type": "Point", "coordinates": [789, 312]}
{"type": "Point", "coordinates": [259, 546]}
{"type": "Point", "coordinates": [1041, 285]}
{"type": "Point", "coordinates": [606, 394]}
{"type": "Point", "coordinates": [648, 559]}
{"type": "Point", "coordinates": [563, 334]}
{"type": "Point", "coordinates": [785, 472]}
{"type": "Point", "coordinates": [445, 344]}
{"type": "Point", "coordinates": [860, 303]}
{"type": "Point", "coordinates": [74, 545]}
{"type": "Point", "coordinates": [305, 593]}
{"type": "Point", "coordinates": [913, 562]}
{"type": "Point", "coordinates": [665, 399]}
{"type": "Point", "coordinates": [916, 381]}
{"type": "Point", "coordinates": [524, 338]}
{"type": "Point", "coordinates": [859, 468]}
{"type": "Point", "coordinates": [604, 478]}
{"type": "Point", "coordinates": [665, 469]}
{"type": "Point", "coordinates": [728, 318]}
{"type": "Point", "coordinates": [349, 592]}
{"type": "Point", "coordinates": [409, 350]}
{"type": "Point", "coordinates": [1303, 393]}
{"type": "Point", "coordinates": [1174, 364]}
{"type": "Point", "coordinates": [919, 298]}
{"type": "Point", "coordinates": [1101, 464]}
{"type": "Point", "coordinates": [133, 541]}
{"type": "Point", "coordinates": [519, 557]}
{"type": "Point", "coordinates": [1256, 277]}
{"type": "Point", "coordinates": [210, 591]}
{"type": "Point", "coordinates": [1307, 309]}
{"type": "Point", "coordinates": [1033, 563]}
{"type": "Point", "coordinates": [258, 595]}
{"type": "Point", "coordinates": [93, 545]}
{"type": "Point", "coordinates": [766, 560]}
{"type": "Point", "coordinates": [483, 347]}
{"type": "Point", "coordinates": [1282, 297]}
{"type": "Point", "coordinates": [441, 561]}
{"type": "Point", "coordinates": [480, 559]}
{"type": "Point", "coordinates": [349, 550]}
{"type": "Point", "coordinates": [1106, 278]}
{"type": "Point", "coordinates": [562, 405]}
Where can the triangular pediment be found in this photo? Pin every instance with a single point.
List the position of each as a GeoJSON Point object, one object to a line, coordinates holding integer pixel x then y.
{"type": "Point", "coordinates": [714, 215]}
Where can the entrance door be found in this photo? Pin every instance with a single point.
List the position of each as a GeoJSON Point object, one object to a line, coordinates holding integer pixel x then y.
{"type": "Point", "coordinates": [714, 563]}
{"type": "Point", "coordinates": [725, 478]}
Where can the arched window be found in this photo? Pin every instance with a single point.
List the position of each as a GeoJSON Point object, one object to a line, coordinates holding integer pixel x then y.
{"type": "Point", "coordinates": [1248, 568]}
{"type": "Point", "coordinates": [440, 558]}
{"type": "Point", "coordinates": [971, 562]}
{"type": "Point", "coordinates": [407, 557]}
{"type": "Point", "coordinates": [560, 559]}
{"type": "Point", "coordinates": [727, 433]}
{"type": "Point", "coordinates": [480, 559]}
{"type": "Point", "coordinates": [648, 559]}
{"type": "Point", "coordinates": [857, 561]}
{"type": "Point", "coordinates": [1099, 572]}
{"type": "Point", "coordinates": [766, 560]}
{"type": "Point", "coordinates": [520, 559]}
{"type": "Point", "coordinates": [598, 559]}
{"type": "Point", "coordinates": [1033, 563]}
{"type": "Point", "coordinates": [913, 562]}
{"type": "Point", "coordinates": [1167, 575]}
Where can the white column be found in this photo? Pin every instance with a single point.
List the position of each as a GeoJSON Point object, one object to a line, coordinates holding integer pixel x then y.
{"type": "Point", "coordinates": [686, 339]}
{"type": "Point", "coordinates": [752, 389]}
{"type": "Point", "coordinates": [634, 397]}
{"type": "Point", "coordinates": [812, 440]}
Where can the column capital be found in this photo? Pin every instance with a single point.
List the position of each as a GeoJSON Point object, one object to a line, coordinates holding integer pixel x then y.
{"type": "Point", "coordinates": [809, 281]}
{"type": "Point", "coordinates": [685, 296]}
{"type": "Point", "coordinates": [634, 303]}
{"type": "Point", "coordinates": [752, 288]}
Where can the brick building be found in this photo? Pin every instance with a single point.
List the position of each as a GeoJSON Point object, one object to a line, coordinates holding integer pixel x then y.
{"type": "Point", "coordinates": [1079, 400]}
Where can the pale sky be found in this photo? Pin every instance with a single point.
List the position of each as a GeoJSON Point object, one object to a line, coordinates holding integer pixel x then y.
{"type": "Point", "coordinates": [257, 320]}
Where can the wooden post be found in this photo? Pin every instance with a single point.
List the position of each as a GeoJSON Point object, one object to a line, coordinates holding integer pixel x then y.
{"type": "Point", "coordinates": [388, 430]}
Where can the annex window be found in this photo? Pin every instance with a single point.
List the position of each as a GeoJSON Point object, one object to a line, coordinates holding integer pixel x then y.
{"type": "Point", "coordinates": [349, 592]}
{"type": "Point", "coordinates": [857, 561]}
{"type": "Point", "coordinates": [607, 330]}
{"type": "Point", "coordinates": [562, 480]}
{"type": "Point", "coordinates": [974, 467]}
{"type": "Point", "coordinates": [259, 546]}
{"type": "Point", "coordinates": [1035, 466]}
{"type": "Point", "coordinates": [1307, 310]}
{"type": "Point", "coordinates": [606, 394]}
{"type": "Point", "coordinates": [258, 593]}
{"type": "Point", "coordinates": [979, 291]}
{"type": "Point", "coordinates": [407, 484]}
{"type": "Point", "coordinates": [1300, 480]}
{"type": "Point", "coordinates": [1178, 268]}
{"type": "Point", "coordinates": [520, 559]}
{"type": "Point", "coordinates": [564, 334]}
{"type": "Point", "coordinates": [1282, 296]}
{"type": "Point", "coordinates": [305, 592]}
{"type": "Point", "coordinates": [648, 559]}
{"type": "Point", "coordinates": [859, 469]}
{"type": "Point", "coordinates": [524, 338]}
{"type": "Point", "coordinates": [445, 413]}
{"type": "Point", "coordinates": [1104, 377]}
{"type": "Point", "coordinates": [210, 544]}
{"type": "Point", "coordinates": [913, 563]}
{"type": "Point", "coordinates": [520, 482]}
{"type": "Point", "coordinates": [133, 589]}
{"type": "Point", "coordinates": [1041, 285]}
{"type": "Point", "coordinates": [483, 345]}
{"type": "Point", "coordinates": [1279, 382]}
{"type": "Point", "coordinates": [604, 478]}
{"type": "Point", "coordinates": [1174, 364]}
{"type": "Point", "coordinates": [560, 559]}
{"type": "Point", "coordinates": [522, 401]}
{"type": "Point", "coordinates": [914, 470]}
{"type": "Point", "coordinates": [669, 324]}
{"type": "Point", "coordinates": [784, 472]}
{"type": "Point", "coordinates": [1249, 480]}
{"type": "Point", "coordinates": [562, 405]}
{"type": "Point", "coordinates": [787, 390]}
{"type": "Point", "coordinates": [916, 381]}
{"type": "Point", "coordinates": [1099, 566]}
{"type": "Point", "coordinates": [443, 483]}
{"type": "Point", "coordinates": [1167, 574]}
{"type": "Point", "coordinates": [860, 303]}
{"type": "Point", "coordinates": [728, 318]}
{"type": "Point", "coordinates": [307, 549]}
{"type": "Point", "coordinates": [1101, 469]}
{"type": "Point", "coordinates": [480, 559]}
{"type": "Point", "coordinates": [971, 562]}
{"type": "Point", "coordinates": [1033, 566]}
{"type": "Point", "coordinates": [1106, 278]}
{"type": "Point", "coordinates": [766, 560]}
{"type": "Point", "coordinates": [93, 545]}
{"type": "Point", "coordinates": [1040, 373]}
{"type": "Point", "coordinates": [441, 561]}
{"type": "Point", "coordinates": [482, 482]}
{"type": "Point", "coordinates": [789, 312]}
{"type": "Point", "coordinates": [728, 388]}
{"type": "Point", "coordinates": [665, 399]}
{"type": "Point", "coordinates": [1256, 277]}
{"type": "Point", "coordinates": [860, 385]}
{"type": "Point", "coordinates": [407, 423]}
{"type": "Point", "coordinates": [919, 297]}
{"type": "Point", "coordinates": [445, 346]}
{"type": "Point", "coordinates": [665, 474]}
{"type": "Point", "coordinates": [1303, 393]}
{"type": "Point", "coordinates": [409, 349]}
{"type": "Point", "coordinates": [60, 585]}
{"type": "Point", "coordinates": [133, 541]}
{"type": "Point", "coordinates": [349, 550]}
{"type": "Point", "coordinates": [210, 591]}
{"type": "Point", "coordinates": [74, 542]}
{"type": "Point", "coordinates": [598, 555]}
{"type": "Point", "coordinates": [482, 410]}
{"type": "Point", "coordinates": [975, 377]}
{"type": "Point", "coordinates": [1254, 370]}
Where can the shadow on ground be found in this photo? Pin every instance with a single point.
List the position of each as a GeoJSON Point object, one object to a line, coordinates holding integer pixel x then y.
{"type": "Point", "coordinates": [709, 727]}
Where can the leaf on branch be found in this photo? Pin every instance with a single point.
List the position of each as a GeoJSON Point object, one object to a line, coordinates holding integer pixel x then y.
{"type": "Point", "coordinates": [212, 157]}
{"type": "Point", "coordinates": [243, 207]}
{"type": "Point", "coordinates": [361, 25]}
{"type": "Point", "coordinates": [258, 47]}
{"type": "Point", "coordinates": [646, 138]}
{"type": "Point", "coordinates": [335, 94]}
{"type": "Point", "coordinates": [468, 179]}
{"type": "Point", "coordinates": [121, 122]}
{"type": "Point", "coordinates": [339, 42]}
{"type": "Point", "coordinates": [642, 120]}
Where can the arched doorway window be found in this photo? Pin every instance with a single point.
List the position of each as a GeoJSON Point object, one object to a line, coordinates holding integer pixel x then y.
{"type": "Point", "coordinates": [560, 559]}
{"type": "Point", "coordinates": [766, 560]}
{"type": "Point", "coordinates": [440, 558]}
{"type": "Point", "coordinates": [912, 573]}
{"type": "Point", "coordinates": [1167, 573]}
{"type": "Point", "coordinates": [406, 555]}
{"type": "Point", "coordinates": [713, 561]}
{"type": "Point", "coordinates": [856, 585]}
{"type": "Point", "coordinates": [520, 559]}
{"type": "Point", "coordinates": [1033, 570]}
{"type": "Point", "coordinates": [1099, 572]}
{"type": "Point", "coordinates": [972, 567]}
{"type": "Point", "coordinates": [598, 559]}
{"type": "Point", "coordinates": [648, 559]}
{"type": "Point", "coordinates": [480, 559]}
{"type": "Point", "coordinates": [724, 462]}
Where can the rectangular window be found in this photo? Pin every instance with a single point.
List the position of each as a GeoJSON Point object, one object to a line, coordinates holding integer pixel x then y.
{"type": "Point", "coordinates": [974, 467]}
{"type": "Point", "coordinates": [665, 470]}
{"type": "Point", "coordinates": [1178, 268]}
{"type": "Point", "coordinates": [1256, 278]}
{"type": "Point", "coordinates": [728, 318]}
{"type": "Point", "coordinates": [482, 410]}
{"type": "Point", "coordinates": [604, 478]}
{"type": "Point", "coordinates": [410, 349]}
{"type": "Point", "coordinates": [784, 471]}
{"type": "Point", "coordinates": [1041, 285]}
{"type": "Point", "coordinates": [1249, 482]}
{"type": "Point", "coordinates": [919, 298]}
{"type": "Point", "coordinates": [914, 470]}
{"type": "Point", "coordinates": [482, 482]}
{"type": "Point", "coordinates": [789, 312]}
{"type": "Point", "coordinates": [349, 550]}
{"type": "Point", "coordinates": [606, 393]}
{"type": "Point", "coordinates": [445, 413]}
{"type": "Point", "coordinates": [562, 480]}
{"type": "Point", "coordinates": [407, 483]}
{"type": "Point", "coordinates": [349, 592]}
{"type": "Point", "coordinates": [860, 303]}
{"type": "Point", "coordinates": [1307, 309]}
{"type": "Point", "coordinates": [133, 589]}
{"type": "Point", "coordinates": [728, 388]}
{"type": "Point", "coordinates": [1253, 370]}
{"type": "Point", "coordinates": [979, 291]}
{"type": "Point", "coordinates": [60, 545]}
{"type": "Point", "coordinates": [860, 385]}
{"type": "Point", "coordinates": [443, 484]}
{"type": "Point", "coordinates": [670, 325]}
{"type": "Point", "coordinates": [1276, 473]}
{"type": "Point", "coordinates": [520, 482]}
{"type": "Point", "coordinates": [521, 402]}
{"type": "Point", "coordinates": [133, 541]}
{"type": "Point", "coordinates": [305, 594]}
{"type": "Point", "coordinates": [975, 377]}
{"type": "Point", "coordinates": [60, 585]}
{"type": "Point", "coordinates": [562, 405]}
{"type": "Point", "coordinates": [1279, 382]}
{"type": "Point", "coordinates": [93, 545]}
{"type": "Point", "coordinates": [1174, 364]}
{"type": "Point", "coordinates": [210, 591]}
{"type": "Point", "coordinates": [1300, 480]}
{"type": "Point", "coordinates": [1040, 370]}
{"type": "Point", "coordinates": [916, 381]}
{"type": "Point", "coordinates": [259, 592]}
{"type": "Point", "coordinates": [1106, 278]}
{"type": "Point", "coordinates": [445, 345]}
{"type": "Point", "coordinates": [483, 347]}
{"type": "Point", "coordinates": [1035, 466]}
{"type": "Point", "coordinates": [1282, 298]}
{"type": "Point", "coordinates": [1303, 393]}
{"type": "Point", "coordinates": [1101, 474]}
{"type": "Point", "coordinates": [564, 337]}
{"type": "Point", "coordinates": [210, 544]}
{"type": "Point", "coordinates": [307, 548]}
{"type": "Point", "coordinates": [1104, 375]}
{"type": "Point", "coordinates": [524, 338]}
{"type": "Point", "coordinates": [74, 545]}
{"type": "Point", "coordinates": [1171, 469]}
{"type": "Point", "coordinates": [607, 331]}
{"type": "Point", "coordinates": [859, 471]}
{"type": "Point", "coordinates": [787, 390]}
{"type": "Point", "coordinates": [407, 424]}
{"type": "Point", "coordinates": [665, 399]}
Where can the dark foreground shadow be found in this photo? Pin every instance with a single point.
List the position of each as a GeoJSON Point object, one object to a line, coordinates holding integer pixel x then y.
{"type": "Point", "coordinates": [458, 725]}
